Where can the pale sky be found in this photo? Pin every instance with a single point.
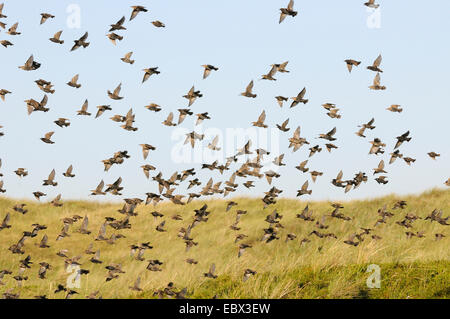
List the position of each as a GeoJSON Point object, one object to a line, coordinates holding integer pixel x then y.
{"type": "Point", "coordinates": [241, 38]}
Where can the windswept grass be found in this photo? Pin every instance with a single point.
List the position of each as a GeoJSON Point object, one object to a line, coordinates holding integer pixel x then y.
{"type": "Point", "coordinates": [322, 268]}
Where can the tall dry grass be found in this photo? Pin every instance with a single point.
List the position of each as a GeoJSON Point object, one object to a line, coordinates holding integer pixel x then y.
{"type": "Point", "coordinates": [322, 268]}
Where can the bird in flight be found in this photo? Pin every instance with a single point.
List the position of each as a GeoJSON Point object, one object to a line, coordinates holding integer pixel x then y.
{"type": "Point", "coordinates": [371, 4]}
{"type": "Point", "coordinates": [45, 17]}
{"type": "Point", "coordinates": [81, 42]}
{"type": "Point", "coordinates": [288, 11]}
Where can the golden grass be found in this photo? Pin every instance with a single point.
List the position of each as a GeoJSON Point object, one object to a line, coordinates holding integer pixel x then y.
{"type": "Point", "coordinates": [284, 270]}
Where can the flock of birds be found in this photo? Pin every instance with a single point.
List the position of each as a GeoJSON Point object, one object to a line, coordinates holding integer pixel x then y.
{"type": "Point", "coordinates": [252, 168]}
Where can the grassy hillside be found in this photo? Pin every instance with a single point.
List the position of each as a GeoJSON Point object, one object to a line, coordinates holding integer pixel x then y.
{"type": "Point", "coordinates": [321, 268]}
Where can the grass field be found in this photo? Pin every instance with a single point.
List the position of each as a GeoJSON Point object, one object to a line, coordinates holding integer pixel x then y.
{"type": "Point", "coordinates": [322, 268]}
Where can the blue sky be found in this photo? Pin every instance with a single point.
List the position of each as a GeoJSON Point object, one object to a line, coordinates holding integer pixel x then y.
{"type": "Point", "coordinates": [242, 38]}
